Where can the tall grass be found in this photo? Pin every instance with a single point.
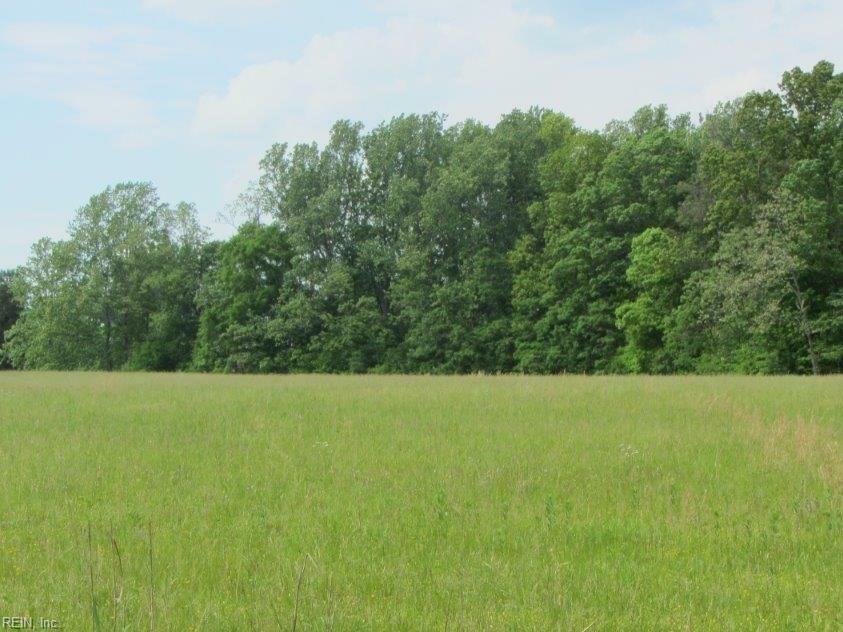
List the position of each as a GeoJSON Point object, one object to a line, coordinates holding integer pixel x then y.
{"type": "Point", "coordinates": [184, 502]}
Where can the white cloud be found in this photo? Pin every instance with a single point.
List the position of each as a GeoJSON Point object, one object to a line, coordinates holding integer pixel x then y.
{"type": "Point", "coordinates": [46, 38]}
{"type": "Point", "coordinates": [413, 62]}
{"type": "Point", "coordinates": [332, 78]}
{"type": "Point", "coordinates": [481, 59]}
{"type": "Point", "coordinates": [91, 71]}
{"type": "Point", "coordinates": [129, 118]}
{"type": "Point", "coordinates": [78, 44]}
{"type": "Point", "coordinates": [200, 10]}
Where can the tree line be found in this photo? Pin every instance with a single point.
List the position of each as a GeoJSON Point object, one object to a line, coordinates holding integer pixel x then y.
{"type": "Point", "coordinates": [657, 245]}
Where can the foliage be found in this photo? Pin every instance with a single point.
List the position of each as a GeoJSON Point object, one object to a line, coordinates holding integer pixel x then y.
{"type": "Point", "coordinates": [655, 246]}
{"type": "Point", "coordinates": [9, 310]}
{"type": "Point", "coordinates": [118, 293]}
{"type": "Point", "coordinates": [236, 300]}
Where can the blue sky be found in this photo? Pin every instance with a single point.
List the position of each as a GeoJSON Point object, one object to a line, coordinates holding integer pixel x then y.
{"type": "Point", "coordinates": [189, 93]}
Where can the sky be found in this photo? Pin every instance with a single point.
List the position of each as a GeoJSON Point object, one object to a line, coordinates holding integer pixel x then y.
{"type": "Point", "coordinates": [188, 94]}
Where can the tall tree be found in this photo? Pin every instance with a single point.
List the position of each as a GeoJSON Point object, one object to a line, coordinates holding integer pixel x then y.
{"type": "Point", "coordinates": [453, 293]}
{"type": "Point", "coordinates": [655, 245]}
{"type": "Point", "coordinates": [237, 297]}
{"type": "Point", "coordinates": [9, 311]}
{"type": "Point", "coordinates": [602, 190]}
{"type": "Point", "coordinates": [327, 319]}
{"type": "Point", "coordinates": [655, 274]}
{"type": "Point", "coordinates": [118, 293]}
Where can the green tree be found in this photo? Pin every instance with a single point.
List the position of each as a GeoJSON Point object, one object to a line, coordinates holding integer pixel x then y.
{"type": "Point", "coordinates": [756, 300]}
{"type": "Point", "coordinates": [655, 245]}
{"type": "Point", "coordinates": [237, 297]}
{"type": "Point", "coordinates": [601, 191]}
{"type": "Point", "coordinates": [9, 311]}
{"type": "Point", "coordinates": [320, 199]}
{"type": "Point", "coordinates": [770, 201]}
{"type": "Point", "coordinates": [454, 286]}
{"type": "Point", "coordinates": [656, 276]}
{"type": "Point", "coordinates": [118, 293]}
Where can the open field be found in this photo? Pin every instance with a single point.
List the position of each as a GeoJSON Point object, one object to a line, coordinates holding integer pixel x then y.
{"type": "Point", "coordinates": [184, 502]}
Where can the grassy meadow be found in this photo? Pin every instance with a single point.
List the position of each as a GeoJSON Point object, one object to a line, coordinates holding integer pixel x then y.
{"type": "Point", "coordinates": [189, 502]}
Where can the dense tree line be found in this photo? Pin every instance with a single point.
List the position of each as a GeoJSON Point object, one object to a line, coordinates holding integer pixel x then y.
{"type": "Point", "coordinates": [9, 309]}
{"type": "Point", "coordinates": [657, 245]}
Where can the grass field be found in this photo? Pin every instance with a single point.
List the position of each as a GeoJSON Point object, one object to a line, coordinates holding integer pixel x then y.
{"type": "Point", "coordinates": [182, 502]}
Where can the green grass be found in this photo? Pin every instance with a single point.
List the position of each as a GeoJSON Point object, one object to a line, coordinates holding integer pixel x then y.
{"type": "Point", "coordinates": [421, 502]}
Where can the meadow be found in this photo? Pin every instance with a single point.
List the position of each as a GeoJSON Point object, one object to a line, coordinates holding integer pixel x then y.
{"type": "Point", "coordinates": [192, 502]}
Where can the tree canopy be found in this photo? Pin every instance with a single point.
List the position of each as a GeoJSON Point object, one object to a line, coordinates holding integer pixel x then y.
{"type": "Point", "coordinates": [656, 245]}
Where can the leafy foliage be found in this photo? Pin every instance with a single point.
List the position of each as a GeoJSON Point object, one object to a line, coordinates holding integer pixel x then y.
{"type": "Point", "coordinates": [118, 293]}
{"type": "Point", "coordinates": [9, 311]}
{"type": "Point", "coordinates": [656, 246]}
